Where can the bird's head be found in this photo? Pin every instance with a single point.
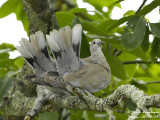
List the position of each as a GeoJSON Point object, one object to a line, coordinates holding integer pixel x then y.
{"type": "Point", "coordinates": [96, 44]}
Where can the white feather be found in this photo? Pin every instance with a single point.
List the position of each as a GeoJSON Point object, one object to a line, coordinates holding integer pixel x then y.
{"type": "Point", "coordinates": [24, 53]}
{"type": "Point", "coordinates": [40, 39]}
{"type": "Point", "coordinates": [28, 47]}
{"type": "Point", "coordinates": [62, 38]}
{"type": "Point", "coordinates": [52, 43]}
{"type": "Point", "coordinates": [55, 34]}
{"type": "Point", "coordinates": [76, 34]}
{"type": "Point", "coordinates": [68, 36]}
{"type": "Point", "coordinates": [34, 43]}
{"type": "Point", "coordinates": [68, 32]}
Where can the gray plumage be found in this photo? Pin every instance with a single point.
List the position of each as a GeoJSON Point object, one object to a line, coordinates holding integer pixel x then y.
{"type": "Point", "coordinates": [36, 54]}
{"type": "Point", "coordinates": [95, 74]}
{"type": "Point", "coordinates": [92, 73]}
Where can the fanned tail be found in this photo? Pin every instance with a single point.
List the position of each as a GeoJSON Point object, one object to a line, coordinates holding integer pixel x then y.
{"type": "Point", "coordinates": [65, 45]}
{"type": "Point", "coordinates": [36, 54]}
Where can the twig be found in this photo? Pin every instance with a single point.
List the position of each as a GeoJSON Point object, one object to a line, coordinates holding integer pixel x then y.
{"type": "Point", "coordinates": [138, 62]}
{"type": "Point", "coordinates": [114, 52]}
{"type": "Point", "coordinates": [152, 82]}
{"type": "Point", "coordinates": [143, 3]}
{"type": "Point", "coordinates": [119, 53]}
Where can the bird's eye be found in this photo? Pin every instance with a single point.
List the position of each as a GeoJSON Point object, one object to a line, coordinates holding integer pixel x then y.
{"type": "Point", "coordinates": [94, 42]}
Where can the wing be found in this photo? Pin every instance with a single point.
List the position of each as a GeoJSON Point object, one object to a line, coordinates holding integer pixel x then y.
{"type": "Point", "coordinates": [65, 45]}
{"type": "Point", "coordinates": [91, 77]}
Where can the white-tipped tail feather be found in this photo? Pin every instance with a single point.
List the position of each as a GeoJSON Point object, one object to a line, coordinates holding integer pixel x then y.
{"type": "Point", "coordinates": [36, 53]}
{"type": "Point", "coordinates": [23, 52]}
{"type": "Point", "coordinates": [65, 45]}
{"type": "Point", "coordinates": [52, 43]}
{"type": "Point", "coordinates": [76, 34]}
{"type": "Point", "coordinates": [40, 39]}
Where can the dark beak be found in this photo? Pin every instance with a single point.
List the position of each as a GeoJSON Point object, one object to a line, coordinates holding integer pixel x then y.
{"type": "Point", "coordinates": [101, 43]}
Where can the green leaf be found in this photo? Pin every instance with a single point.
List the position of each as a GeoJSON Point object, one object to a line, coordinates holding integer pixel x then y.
{"type": "Point", "coordinates": [129, 13]}
{"type": "Point", "coordinates": [12, 73]}
{"type": "Point", "coordinates": [6, 46]}
{"type": "Point", "coordinates": [6, 62]}
{"type": "Point", "coordinates": [129, 68]}
{"type": "Point", "coordinates": [3, 72]}
{"type": "Point", "coordinates": [117, 68]}
{"type": "Point", "coordinates": [5, 84]}
{"type": "Point", "coordinates": [145, 44]}
{"type": "Point", "coordinates": [155, 49]}
{"type": "Point", "coordinates": [108, 25]}
{"type": "Point", "coordinates": [78, 10]}
{"type": "Point", "coordinates": [148, 8]}
{"type": "Point", "coordinates": [19, 62]}
{"type": "Point", "coordinates": [76, 114]}
{"type": "Point", "coordinates": [4, 50]}
{"type": "Point", "coordinates": [139, 84]}
{"type": "Point", "coordinates": [130, 104]}
{"type": "Point", "coordinates": [21, 15]}
{"type": "Point", "coordinates": [134, 33]}
{"type": "Point", "coordinates": [155, 29]}
{"type": "Point", "coordinates": [140, 54]}
{"type": "Point", "coordinates": [153, 89]}
{"type": "Point", "coordinates": [8, 8]}
{"type": "Point", "coordinates": [4, 56]}
{"type": "Point", "coordinates": [118, 1]}
{"type": "Point", "coordinates": [48, 116]}
{"type": "Point", "coordinates": [93, 115]}
{"type": "Point", "coordinates": [64, 18]}
{"type": "Point", "coordinates": [93, 29]}
{"type": "Point", "coordinates": [84, 47]}
{"type": "Point", "coordinates": [15, 6]}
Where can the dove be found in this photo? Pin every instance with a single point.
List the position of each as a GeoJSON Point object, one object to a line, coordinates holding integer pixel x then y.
{"type": "Point", "coordinates": [92, 73]}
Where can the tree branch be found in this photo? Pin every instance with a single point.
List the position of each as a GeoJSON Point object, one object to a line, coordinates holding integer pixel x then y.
{"type": "Point", "coordinates": [40, 16]}
{"type": "Point", "coordinates": [152, 82]}
{"type": "Point", "coordinates": [99, 104]}
{"type": "Point", "coordinates": [138, 62]}
{"type": "Point", "coordinates": [143, 3]}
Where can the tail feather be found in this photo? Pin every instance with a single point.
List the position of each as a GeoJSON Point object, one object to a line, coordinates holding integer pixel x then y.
{"type": "Point", "coordinates": [27, 45]}
{"type": "Point", "coordinates": [68, 35]}
{"type": "Point", "coordinates": [54, 46]}
{"type": "Point", "coordinates": [76, 38]}
{"type": "Point", "coordinates": [66, 43]}
{"type": "Point", "coordinates": [40, 40]}
{"type": "Point", "coordinates": [34, 43]}
{"type": "Point", "coordinates": [65, 34]}
{"type": "Point", "coordinates": [55, 34]}
{"type": "Point", "coordinates": [27, 56]}
{"type": "Point", "coordinates": [36, 54]}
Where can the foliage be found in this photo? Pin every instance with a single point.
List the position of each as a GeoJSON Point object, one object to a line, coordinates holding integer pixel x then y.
{"type": "Point", "coordinates": [8, 68]}
{"type": "Point", "coordinates": [129, 34]}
